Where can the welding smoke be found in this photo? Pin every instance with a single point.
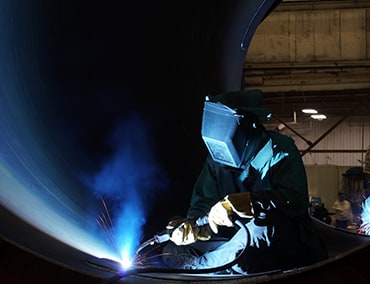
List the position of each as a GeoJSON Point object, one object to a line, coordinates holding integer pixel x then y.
{"type": "Point", "coordinates": [129, 179]}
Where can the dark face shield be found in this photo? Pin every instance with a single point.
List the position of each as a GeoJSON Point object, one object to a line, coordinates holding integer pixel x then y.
{"type": "Point", "coordinates": [231, 138]}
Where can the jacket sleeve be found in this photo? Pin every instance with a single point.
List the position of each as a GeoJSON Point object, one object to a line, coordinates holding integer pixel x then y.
{"type": "Point", "coordinates": [205, 191]}
{"type": "Point", "coordinates": [289, 193]}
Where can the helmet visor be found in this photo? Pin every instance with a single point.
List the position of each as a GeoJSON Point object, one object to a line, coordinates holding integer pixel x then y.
{"type": "Point", "coordinates": [225, 135]}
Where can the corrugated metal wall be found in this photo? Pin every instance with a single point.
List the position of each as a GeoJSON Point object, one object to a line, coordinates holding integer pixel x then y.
{"type": "Point", "coordinates": [325, 169]}
{"type": "Point", "coordinates": [343, 144]}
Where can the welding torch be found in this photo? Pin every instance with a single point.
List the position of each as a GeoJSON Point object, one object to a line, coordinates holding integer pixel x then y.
{"type": "Point", "coordinates": [165, 235]}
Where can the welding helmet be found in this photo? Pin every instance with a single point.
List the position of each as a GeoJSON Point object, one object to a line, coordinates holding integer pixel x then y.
{"type": "Point", "coordinates": [231, 127]}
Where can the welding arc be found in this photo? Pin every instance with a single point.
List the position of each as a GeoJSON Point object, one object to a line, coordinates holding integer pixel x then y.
{"type": "Point", "coordinates": [123, 274]}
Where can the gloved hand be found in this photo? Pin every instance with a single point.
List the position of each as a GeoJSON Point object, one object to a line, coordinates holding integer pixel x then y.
{"type": "Point", "coordinates": [220, 213]}
{"type": "Point", "coordinates": [259, 233]}
{"type": "Point", "coordinates": [185, 231]}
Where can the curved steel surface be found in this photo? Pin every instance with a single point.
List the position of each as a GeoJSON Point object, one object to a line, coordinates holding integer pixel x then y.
{"type": "Point", "coordinates": [348, 252]}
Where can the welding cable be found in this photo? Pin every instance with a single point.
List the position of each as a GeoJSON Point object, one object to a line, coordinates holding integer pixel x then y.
{"type": "Point", "coordinates": [122, 274]}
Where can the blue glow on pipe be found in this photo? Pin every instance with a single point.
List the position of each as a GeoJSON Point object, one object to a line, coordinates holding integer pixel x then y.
{"type": "Point", "coordinates": [36, 182]}
{"type": "Point", "coordinates": [129, 180]}
{"type": "Point", "coordinates": [34, 188]}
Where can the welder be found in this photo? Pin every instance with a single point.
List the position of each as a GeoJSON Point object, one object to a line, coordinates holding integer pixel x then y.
{"type": "Point", "coordinates": [255, 175]}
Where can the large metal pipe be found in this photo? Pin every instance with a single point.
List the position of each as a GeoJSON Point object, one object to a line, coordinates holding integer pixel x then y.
{"type": "Point", "coordinates": [40, 134]}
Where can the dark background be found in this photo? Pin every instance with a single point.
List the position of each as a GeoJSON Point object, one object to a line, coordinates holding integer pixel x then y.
{"type": "Point", "coordinates": [86, 65]}
{"type": "Point", "coordinates": [112, 59]}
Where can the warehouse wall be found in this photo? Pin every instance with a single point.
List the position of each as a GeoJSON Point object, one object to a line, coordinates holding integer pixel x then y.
{"type": "Point", "coordinates": [342, 145]}
{"type": "Point", "coordinates": [312, 46]}
{"type": "Point", "coordinates": [325, 181]}
{"type": "Point", "coordinates": [319, 34]}
{"type": "Point", "coordinates": [323, 35]}
{"type": "Point", "coordinates": [341, 148]}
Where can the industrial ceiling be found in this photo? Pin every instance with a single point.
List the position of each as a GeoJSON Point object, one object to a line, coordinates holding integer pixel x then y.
{"type": "Point", "coordinates": [313, 54]}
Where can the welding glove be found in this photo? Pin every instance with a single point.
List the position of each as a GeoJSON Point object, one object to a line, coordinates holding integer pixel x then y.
{"type": "Point", "coordinates": [259, 234]}
{"type": "Point", "coordinates": [185, 231]}
{"type": "Point", "coordinates": [235, 203]}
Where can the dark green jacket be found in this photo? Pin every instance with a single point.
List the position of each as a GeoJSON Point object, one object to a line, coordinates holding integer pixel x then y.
{"type": "Point", "coordinates": [284, 184]}
{"type": "Point", "coordinates": [278, 186]}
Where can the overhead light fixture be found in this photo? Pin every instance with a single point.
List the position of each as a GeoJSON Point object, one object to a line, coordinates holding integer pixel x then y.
{"type": "Point", "coordinates": [318, 116]}
{"type": "Point", "coordinates": [309, 110]}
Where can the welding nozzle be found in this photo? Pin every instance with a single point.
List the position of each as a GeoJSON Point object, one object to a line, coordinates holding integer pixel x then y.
{"type": "Point", "coordinates": [159, 238]}
{"type": "Point", "coordinates": [162, 237]}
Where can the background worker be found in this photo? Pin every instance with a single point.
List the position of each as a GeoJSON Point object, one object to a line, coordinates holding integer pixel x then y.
{"type": "Point", "coordinates": [343, 211]}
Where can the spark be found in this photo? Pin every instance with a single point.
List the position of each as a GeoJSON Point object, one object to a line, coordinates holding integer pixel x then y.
{"type": "Point", "coordinates": [365, 216]}
{"type": "Point", "coordinates": [104, 220]}
{"type": "Point", "coordinates": [148, 258]}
